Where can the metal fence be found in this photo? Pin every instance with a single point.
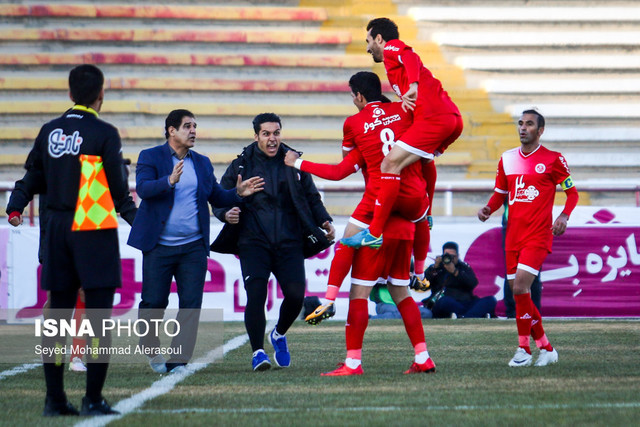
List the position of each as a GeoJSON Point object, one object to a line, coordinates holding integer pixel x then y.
{"type": "Point", "coordinates": [625, 192]}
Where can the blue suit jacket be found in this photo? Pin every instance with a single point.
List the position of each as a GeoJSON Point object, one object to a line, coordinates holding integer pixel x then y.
{"type": "Point", "coordinates": [152, 185]}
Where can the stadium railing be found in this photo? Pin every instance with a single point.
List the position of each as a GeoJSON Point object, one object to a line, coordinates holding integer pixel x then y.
{"type": "Point", "coordinates": [448, 188]}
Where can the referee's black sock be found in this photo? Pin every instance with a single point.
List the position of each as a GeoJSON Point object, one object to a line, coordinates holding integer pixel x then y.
{"type": "Point", "coordinates": [54, 378]}
{"type": "Point", "coordinates": [96, 376]}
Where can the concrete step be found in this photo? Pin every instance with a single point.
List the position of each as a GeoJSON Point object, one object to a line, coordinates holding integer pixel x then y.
{"type": "Point", "coordinates": [155, 11]}
{"type": "Point", "coordinates": [549, 63]}
{"type": "Point", "coordinates": [526, 14]}
{"type": "Point", "coordinates": [567, 86]}
{"type": "Point", "coordinates": [151, 58]}
{"type": "Point", "coordinates": [519, 41]}
{"type": "Point", "coordinates": [628, 111]}
{"type": "Point", "coordinates": [161, 34]}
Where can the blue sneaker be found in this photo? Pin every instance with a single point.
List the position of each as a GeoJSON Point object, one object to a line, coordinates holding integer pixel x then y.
{"type": "Point", "coordinates": [261, 361]}
{"type": "Point", "coordinates": [282, 355]}
{"type": "Point", "coordinates": [363, 238]}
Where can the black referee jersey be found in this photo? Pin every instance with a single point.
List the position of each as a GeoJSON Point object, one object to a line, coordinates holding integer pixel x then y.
{"type": "Point", "coordinates": [56, 151]}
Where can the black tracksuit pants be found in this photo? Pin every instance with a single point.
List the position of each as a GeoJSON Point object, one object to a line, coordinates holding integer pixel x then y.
{"type": "Point", "coordinates": [287, 265]}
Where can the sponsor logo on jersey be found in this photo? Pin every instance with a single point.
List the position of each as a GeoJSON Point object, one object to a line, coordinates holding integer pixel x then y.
{"type": "Point", "coordinates": [384, 121]}
{"type": "Point", "coordinates": [61, 144]}
{"type": "Point", "coordinates": [522, 194]}
{"type": "Point", "coordinates": [392, 48]}
{"type": "Point", "coordinates": [540, 168]}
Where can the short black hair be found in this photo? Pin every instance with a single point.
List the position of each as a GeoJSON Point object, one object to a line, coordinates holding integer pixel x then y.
{"type": "Point", "coordinates": [536, 113]}
{"type": "Point", "coordinates": [175, 119]}
{"type": "Point", "coordinates": [265, 118]}
{"type": "Point", "coordinates": [385, 27]}
{"type": "Point", "coordinates": [450, 245]}
{"type": "Point", "coordinates": [368, 85]}
{"type": "Point", "coordinates": [85, 83]}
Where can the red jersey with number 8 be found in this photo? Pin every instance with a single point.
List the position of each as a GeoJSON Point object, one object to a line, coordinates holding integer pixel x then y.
{"type": "Point", "coordinates": [374, 131]}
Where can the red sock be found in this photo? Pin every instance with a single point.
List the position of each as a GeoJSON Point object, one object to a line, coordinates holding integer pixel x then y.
{"type": "Point", "coordinates": [537, 331]}
{"type": "Point", "coordinates": [430, 175]}
{"type": "Point", "coordinates": [389, 188]}
{"type": "Point", "coordinates": [77, 316]}
{"type": "Point", "coordinates": [340, 266]}
{"type": "Point", "coordinates": [412, 321]}
{"type": "Point", "coordinates": [357, 321]}
{"type": "Point", "coordinates": [421, 246]}
{"type": "Point", "coordinates": [523, 319]}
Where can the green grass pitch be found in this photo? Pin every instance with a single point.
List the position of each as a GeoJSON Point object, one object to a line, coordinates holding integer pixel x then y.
{"type": "Point", "coordinates": [596, 381]}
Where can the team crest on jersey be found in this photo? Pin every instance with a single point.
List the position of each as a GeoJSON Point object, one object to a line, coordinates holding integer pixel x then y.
{"type": "Point", "coordinates": [377, 112]}
{"type": "Point", "coordinates": [61, 144]}
{"type": "Point", "coordinates": [540, 168]}
{"type": "Point", "coordinates": [522, 194]}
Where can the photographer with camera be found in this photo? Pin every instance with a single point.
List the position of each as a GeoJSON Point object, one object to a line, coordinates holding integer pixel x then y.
{"type": "Point", "coordinates": [452, 283]}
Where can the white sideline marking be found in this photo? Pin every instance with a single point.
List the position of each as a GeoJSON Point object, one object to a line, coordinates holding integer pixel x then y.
{"type": "Point", "coordinates": [166, 384]}
{"type": "Point", "coordinates": [619, 405]}
{"type": "Point", "coordinates": [18, 370]}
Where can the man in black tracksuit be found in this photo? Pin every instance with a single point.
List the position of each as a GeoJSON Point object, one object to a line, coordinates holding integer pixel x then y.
{"type": "Point", "coordinates": [271, 233]}
{"type": "Point", "coordinates": [88, 258]}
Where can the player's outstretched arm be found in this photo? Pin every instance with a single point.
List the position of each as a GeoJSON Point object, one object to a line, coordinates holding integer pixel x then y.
{"type": "Point", "coordinates": [336, 172]}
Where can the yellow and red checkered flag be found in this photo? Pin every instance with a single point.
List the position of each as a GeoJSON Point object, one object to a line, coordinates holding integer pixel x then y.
{"type": "Point", "coordinates": [95, 209]}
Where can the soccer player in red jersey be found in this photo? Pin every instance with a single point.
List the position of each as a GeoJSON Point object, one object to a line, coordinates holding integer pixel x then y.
{"type": "Point", "coordinates": [528, 175]}
{"type": "Point", "coordinates": [368, 136]}
{"type": "Point", "coordinates": [391, 263]}
{"type": "Point", "coordinates": [436, 120]}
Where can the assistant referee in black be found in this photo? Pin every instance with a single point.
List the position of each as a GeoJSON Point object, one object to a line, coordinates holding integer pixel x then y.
{"type": "Point", "coordinates": [88, 258]}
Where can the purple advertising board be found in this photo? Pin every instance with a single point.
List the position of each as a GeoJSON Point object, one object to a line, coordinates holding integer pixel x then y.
{"type": "Point", "coordinates": [592, 271]}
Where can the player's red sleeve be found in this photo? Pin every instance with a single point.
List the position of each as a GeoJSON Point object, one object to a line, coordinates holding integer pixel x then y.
{"type": "Point", "coordinates": [496, 201]}
{"type": "Point", "coordinates": [346, 167]}
{"type": "Point", "coordinates": [411, 62]}
{"type": "Point", "coordinates": [500, 190]}
{"type": "Point", "coordinates": [572, 200]}
{"type": "Point", "coordinates": [348, 136]}
{"type": "Point", "coordinates": [430, 175]}
{"type": "Point", "coordinates": [502, 184]}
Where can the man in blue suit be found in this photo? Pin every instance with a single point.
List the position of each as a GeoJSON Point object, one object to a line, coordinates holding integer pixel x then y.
{"type": "Point", "coordinates": [172, 231]}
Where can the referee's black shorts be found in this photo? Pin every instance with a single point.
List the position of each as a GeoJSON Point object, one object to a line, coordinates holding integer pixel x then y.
{"type": "Point", "coordinates": [74, 259]}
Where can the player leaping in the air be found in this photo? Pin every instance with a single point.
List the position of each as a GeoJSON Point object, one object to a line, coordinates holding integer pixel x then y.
{"type": "Point", "coordinates": [368, 136]}
{"type": "Point", "coordinates": [391, 262]}
{"type": "Point", "coordinates": [436, 120]}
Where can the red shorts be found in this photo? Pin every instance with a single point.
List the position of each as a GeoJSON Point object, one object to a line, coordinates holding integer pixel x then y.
{"type": "Point", "coordinates": [363, 213]}
{"type": "Point", "coordinates": [390, 263]}
{"type": "Point", "coordinates": [410, 208]}
{"type": "Point", "coordinates": [425, 137]}
{"type": "Point", "coordinates": [529, 258]}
